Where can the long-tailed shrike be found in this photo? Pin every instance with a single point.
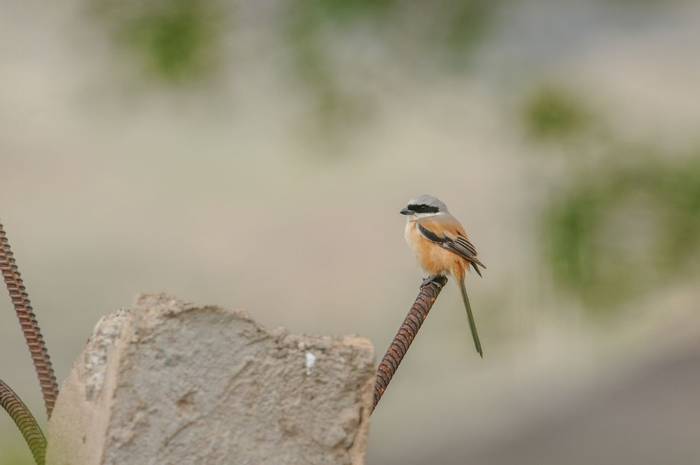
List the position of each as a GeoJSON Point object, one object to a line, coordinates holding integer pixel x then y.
{"type": "Point", "coordinates": [441, 246]}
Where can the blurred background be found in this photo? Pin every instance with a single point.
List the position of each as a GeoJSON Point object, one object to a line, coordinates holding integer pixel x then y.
{"type": "Point", "coordinates": [256, 154]}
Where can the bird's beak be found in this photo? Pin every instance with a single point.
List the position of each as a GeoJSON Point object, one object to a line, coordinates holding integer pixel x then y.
{"type": "Point", "coordinates": [406, 211]}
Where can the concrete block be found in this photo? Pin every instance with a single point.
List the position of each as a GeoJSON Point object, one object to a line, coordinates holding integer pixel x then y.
{"type": "Point", "coordinates": [169, 382]}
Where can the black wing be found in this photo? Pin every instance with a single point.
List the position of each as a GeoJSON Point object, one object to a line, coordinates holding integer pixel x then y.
{"type": "Point", "coordinates": [460, 246]}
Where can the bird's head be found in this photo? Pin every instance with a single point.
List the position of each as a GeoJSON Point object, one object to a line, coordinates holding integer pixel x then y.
{"type": "Point", "coordinates": [422, 206]}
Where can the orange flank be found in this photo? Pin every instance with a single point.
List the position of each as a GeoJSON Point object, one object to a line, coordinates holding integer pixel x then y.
{"type": "Point", "coordinates": [435, 260]}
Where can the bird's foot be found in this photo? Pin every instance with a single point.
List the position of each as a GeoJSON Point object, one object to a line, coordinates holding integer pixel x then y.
{"type": "Point", "coordinates": [437, 279]}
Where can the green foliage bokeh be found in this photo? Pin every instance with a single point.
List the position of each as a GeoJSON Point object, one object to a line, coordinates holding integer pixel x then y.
{"type": "Point", "coordinates": [595, 264]}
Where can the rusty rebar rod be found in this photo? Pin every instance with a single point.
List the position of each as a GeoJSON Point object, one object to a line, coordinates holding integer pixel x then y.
{"type": "Point", "coordinates": [25, 421]}
{"type": "Point", "coordinates": [429, 292]}
{"type": "Point", "coordinates": [27, 320]}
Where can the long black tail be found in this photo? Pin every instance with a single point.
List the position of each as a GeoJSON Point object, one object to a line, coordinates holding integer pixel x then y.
{"type": "Point", "coordinates": [472, 322]}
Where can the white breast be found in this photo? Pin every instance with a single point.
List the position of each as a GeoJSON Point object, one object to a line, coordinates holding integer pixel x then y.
{"type": "Point", "coordinates": [409, 235]}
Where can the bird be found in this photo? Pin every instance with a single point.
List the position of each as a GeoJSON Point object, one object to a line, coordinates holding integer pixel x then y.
{"type": "Point", "coordinates": [442, 247]}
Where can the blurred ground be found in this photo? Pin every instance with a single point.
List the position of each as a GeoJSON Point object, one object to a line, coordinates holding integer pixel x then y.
{"type": "Point", "coordinates": [636, 417]}
{"type": "Point", "coordinates": [255, 155]}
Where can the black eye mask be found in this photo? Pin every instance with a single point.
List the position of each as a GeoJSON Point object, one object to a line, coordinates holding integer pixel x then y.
{"type": "Point", "coordinates": [423, 208]}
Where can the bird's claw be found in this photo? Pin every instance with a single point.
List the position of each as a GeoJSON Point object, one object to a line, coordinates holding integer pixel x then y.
{"type": "Point", "coordinates": [437, 279]}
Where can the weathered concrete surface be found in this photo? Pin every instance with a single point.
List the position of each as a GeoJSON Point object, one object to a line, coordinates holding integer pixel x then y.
{"type": "Point", "coordinates": [169, 382]}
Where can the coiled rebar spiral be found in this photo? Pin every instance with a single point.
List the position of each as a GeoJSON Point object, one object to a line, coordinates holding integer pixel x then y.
{"type": "Point", "coordinates": [27, 320]}
{"type": "Point", "coordinates": [429, 292]}
{"type": "Point", "coordinates": [25, 421]}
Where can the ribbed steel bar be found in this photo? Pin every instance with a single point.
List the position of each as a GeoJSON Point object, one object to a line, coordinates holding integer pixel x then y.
{"type": "Point", "coordinates": [429, 292]}
{"type": "Point", "coordinates": [27, 320]}
{"type": "Point", "coordinates": [25, 421]}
